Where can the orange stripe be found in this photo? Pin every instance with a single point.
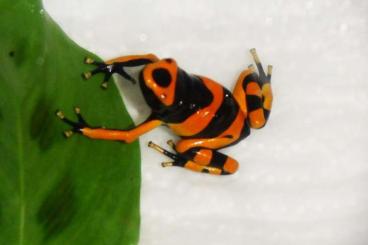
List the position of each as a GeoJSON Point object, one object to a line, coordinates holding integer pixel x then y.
{"type": "Point", "coordinates": [267, 93]}
{"type": "Point", "coordinates": [253, 89]}
{"type": "Point", "coordinates": [257, 119]}
{"type": "Point", "coordinates": [203, 156]}
{"type": "Point", "coordinates": [193, 166]}
{"type": "Point", "coordinates": [123, 135]}
{"type": "Point", "coordinates": [235, 128]}
{"type": "Point", "coordinates": [231, 166]}
{"type": "Point", "coordinates": [234, 131]}
{"type": "Point", "coordinates": [199, 120]}
{"type": "Point", "coordinates": [214, 143]}
{"type": "Point", "coordinates": [151, 57]}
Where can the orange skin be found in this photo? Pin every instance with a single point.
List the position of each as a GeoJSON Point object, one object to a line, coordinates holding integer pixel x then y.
{"type": "Point", "coordinates": [198, 121]}
{"type": "Point", "coordinates": [205, 114]}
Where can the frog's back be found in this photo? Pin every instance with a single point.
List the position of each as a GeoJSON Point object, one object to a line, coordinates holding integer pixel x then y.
{"type": "Point", "coordinates": [209, 108]}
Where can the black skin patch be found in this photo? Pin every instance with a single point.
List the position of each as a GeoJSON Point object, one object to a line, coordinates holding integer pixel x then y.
{"type": "Point", "coordinates": [138, 62]}
{"type": "Point", "coordinates": [191, 153]}
{"type": "Point", "coordinates": [224, 117]}
{"type": "Point", "coordinates": [190, 90]}
{"type": "Point", "coordinates": [162, 77]}
{"type": "Point", "coordinates": [245, 132]}
{"type": "Point", "coordinates": [266, 113]}
{"type": "Point", "coordinates": [253, 102]}
{"type": "Point", "coordinates": [218, 160]}
{"type": "Point", "coordinates": [12, 53]}
{"type": "Point", "coordinates": [205, 170]}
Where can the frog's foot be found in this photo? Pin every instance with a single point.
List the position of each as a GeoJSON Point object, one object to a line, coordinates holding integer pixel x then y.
{"type": "Point", "coordinates": [108, 69]}
{"type": "Point", "coordinates": [76, 126]}
{"type": "Point", "coordinates": [178, 160]}
{"type": "Point", "coordinates": [171, 144]}
{"type": "Point", "coordinates": [199, 160]}
{"type": "Point", "coordinates": [101, 67]}
{"type": "Point", "coordinates": [262, 75]}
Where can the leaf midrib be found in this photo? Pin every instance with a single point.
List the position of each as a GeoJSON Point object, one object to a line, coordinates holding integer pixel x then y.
{"type": "Point", "coordinates": [22, 207]}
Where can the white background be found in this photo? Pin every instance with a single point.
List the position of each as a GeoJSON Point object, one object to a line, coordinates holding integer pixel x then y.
{"type": "Point", "coordinates": [303, 178]}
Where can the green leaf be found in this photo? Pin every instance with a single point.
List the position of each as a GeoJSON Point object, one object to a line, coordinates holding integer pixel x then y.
{"type": "Point", "coordinates": [53, 190]}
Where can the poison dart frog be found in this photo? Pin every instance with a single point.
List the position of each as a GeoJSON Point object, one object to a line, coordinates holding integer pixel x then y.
{"type": "Point", "coordinates": [205, 115]}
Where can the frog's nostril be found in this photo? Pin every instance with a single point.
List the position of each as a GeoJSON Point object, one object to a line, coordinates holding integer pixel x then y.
{"type": "Point", "coordinates": [169, 60]}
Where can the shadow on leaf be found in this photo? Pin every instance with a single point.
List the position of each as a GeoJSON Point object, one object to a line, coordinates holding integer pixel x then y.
{"type": "Point", "coordinates": [58, 208]}
{"type": "Point", "coordinates": [42, 123]}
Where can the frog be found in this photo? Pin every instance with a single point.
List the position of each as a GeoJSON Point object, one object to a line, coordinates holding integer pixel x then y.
{"type": "Point", "coordinates": [205, 115]}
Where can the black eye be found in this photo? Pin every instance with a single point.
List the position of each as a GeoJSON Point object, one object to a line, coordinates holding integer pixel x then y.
{"type": "Point", "coordinates": [162, 77]}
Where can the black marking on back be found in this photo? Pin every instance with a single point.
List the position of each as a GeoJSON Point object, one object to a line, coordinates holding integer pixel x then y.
{"type": "Point", "coordinates": [245, 132]}
{"type": "Point", "coordinates": [224, 117]}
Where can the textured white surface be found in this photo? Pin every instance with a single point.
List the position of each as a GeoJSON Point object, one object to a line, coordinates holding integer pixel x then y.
{"type": "Point", "coordinates": [304, 177]}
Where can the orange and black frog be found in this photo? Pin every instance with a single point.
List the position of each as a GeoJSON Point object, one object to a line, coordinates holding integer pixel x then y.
{"type": "Point", "coordinates": [205, 115]}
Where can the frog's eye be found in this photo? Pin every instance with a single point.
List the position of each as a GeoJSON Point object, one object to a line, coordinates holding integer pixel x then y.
{"type": "Point", "coordinates": [162, 77]}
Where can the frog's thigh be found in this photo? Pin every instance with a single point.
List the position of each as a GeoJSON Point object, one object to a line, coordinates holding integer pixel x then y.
{"type": "Point", "coordinates": [205, 159]}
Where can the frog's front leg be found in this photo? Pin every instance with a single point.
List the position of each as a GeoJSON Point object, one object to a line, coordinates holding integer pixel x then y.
{"type": "Point", "coordinates": [117, 65]}
{"type": "Point", "coordinates": [199, 159]}
{"type": "Point", "coordinates": [127, 136]}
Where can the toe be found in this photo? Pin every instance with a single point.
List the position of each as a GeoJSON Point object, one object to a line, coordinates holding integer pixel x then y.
{"type": "Point", "coordinates": [89, 60]}
{"type": "Point", "coordinates": [87, 75]}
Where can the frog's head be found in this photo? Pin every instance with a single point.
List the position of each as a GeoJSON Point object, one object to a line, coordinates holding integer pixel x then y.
{"type": "Point", "coordinates": [160, 79]}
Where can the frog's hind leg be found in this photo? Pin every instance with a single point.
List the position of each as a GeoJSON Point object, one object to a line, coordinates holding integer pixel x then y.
{"type": "Point", "coordinates": [210, 161]}
{"type": "Point", "coordinates": [254, 94]}
{"type": "Point", "coordinates": [200, 160]}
